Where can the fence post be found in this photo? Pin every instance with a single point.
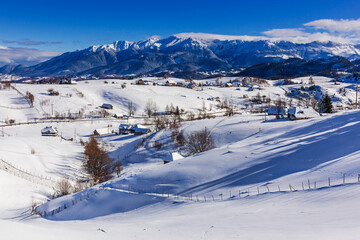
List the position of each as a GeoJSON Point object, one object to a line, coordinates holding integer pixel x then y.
{"type": "Point", "coordinates": [344, 178]}
{"type": "Point", "coordinates": [258, 190]}
{"type": "Point", "coordinates": [315, 185]}
{"type": "Point", "coordinates": [358, 177]}
{"type": "Point", "coordinates": [309, 184]}
{"type": "Point", "coordinates": [279, 188]}
{"type": "Point", "coordinates": [302, 184]}
{"type": "Point", "coordinates": [329, 183]}
{"type": "Point", "coordinates": [239, 193]}
{"type": "Point", "coordinates": [213, 197]}
{"type": "Point", "coordinates": [268, 188]}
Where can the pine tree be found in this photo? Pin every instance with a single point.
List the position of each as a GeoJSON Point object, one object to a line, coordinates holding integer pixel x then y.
{"type": "Point", "coordinates": [326, 105]}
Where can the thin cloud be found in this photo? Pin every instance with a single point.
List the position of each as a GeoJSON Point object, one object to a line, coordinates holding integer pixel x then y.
{"type": "Point", "coordinates": [336, 26]}
{"type": "Point", "coordinates": [28, 42]}
{"type": "Point", "coordinates": [324, 30]}
{"type": "Point", "coordinates": [284, 32]}
{"type": "Point", "coordinates": [27, 56]}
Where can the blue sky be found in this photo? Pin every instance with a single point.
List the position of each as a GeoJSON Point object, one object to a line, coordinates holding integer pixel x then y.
{"type": "Point", "coordinates": [70, 25]}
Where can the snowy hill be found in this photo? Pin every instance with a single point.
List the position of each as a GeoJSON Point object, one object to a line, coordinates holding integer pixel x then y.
{"type": "Point", "coordinates": [265, 179]}
{"type": "Point", "coordinates": [183, 52]}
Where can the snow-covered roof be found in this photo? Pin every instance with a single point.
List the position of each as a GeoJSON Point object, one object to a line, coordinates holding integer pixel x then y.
{"type": "Point", "coordinates": [303, 112]}
{"type": "Point", "coordinates": [273, 110]}
{"type": "Point", "coordinates": [102, 131]}
{"type": "Point", "coordinates": [173, 157]}
{"type": "Point", "coordinates": [106, 105]}
{"type": "Point", "coordinates": [140, 129]}
{"type": "Point", "coordinates": [118, 114]}
{"type": "Point", "coordinates": [49, 129]}
{"type": "Point", "coordinates": [124, 126]}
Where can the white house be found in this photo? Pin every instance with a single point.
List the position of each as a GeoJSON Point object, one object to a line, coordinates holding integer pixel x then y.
{"type": "Point", "coordinates": [172, 157]}
{"type": "Point", "coordinates": [295, 113]}
{"type": "Point", "coordinates": [49, 131]}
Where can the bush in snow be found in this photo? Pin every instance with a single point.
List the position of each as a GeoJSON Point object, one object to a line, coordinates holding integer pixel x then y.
{"type": "Point", "coordinates": [97, 162]}
{"type": "Point", "coordinates": [63, 187]}
{"type": "Point", "coordinates": [199, 141]}
{"type": "Point", "coordinates": [157, 145]}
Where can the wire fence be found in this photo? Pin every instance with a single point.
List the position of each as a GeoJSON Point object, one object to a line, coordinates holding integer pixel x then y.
{"type": "Point", "coordinates": [27, 175]}
{"type": "Point", "coordinates": [233, 193]}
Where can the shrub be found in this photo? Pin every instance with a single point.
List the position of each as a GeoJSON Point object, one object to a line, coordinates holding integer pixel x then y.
{"type": "Point", "coordinates": [157, 145]}
{"type": "Point", "coordinates": [199, 141]}
{"type": "Point", "coordinates": [63, 187]}
{"type": "Point", "coordinates": [79, 186]}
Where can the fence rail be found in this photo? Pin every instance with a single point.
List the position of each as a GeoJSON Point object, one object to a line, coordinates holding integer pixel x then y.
{"type": "Point", "coordinates": [24, 174]}
{"type": "Point", "coordinates": [238, 193]}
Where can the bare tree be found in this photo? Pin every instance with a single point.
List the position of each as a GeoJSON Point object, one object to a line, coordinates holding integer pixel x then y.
{"type": "Point", "coordinates": [160, 122]}
{"type": "Point", "coordinates": [131, 109]}
{"type": "Point", "coordinates": [280, 105]}
{"type": "Point", "coordinates": [150, 108]}
{"type": "Point", "coordinates": [199, 141]}
{"type": "Point", "coordinates": [30, 97]}
{"type": "Point", "coordinates": [117, 167]}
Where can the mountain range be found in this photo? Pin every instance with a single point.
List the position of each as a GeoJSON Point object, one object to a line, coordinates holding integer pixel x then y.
{"type": "Point", "coordinates": [192, 52]}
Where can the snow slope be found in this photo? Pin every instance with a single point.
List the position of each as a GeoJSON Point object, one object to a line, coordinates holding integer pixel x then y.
{"type": "Point", "coordinates": [252, 157]}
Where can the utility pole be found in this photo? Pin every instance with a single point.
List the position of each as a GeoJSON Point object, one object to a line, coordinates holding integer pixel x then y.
{"type": "Point", "coordinates": [356, 97]}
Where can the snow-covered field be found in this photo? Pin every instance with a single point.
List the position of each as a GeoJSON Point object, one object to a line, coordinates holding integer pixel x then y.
{"type": "Point", "coordinates": [273, 179]}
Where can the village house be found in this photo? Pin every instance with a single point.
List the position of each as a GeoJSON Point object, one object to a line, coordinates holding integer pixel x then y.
{"type": "Point", "coordinates": [139, 129]}
{"type": "Point", "coordinates": [49, 131]}
{"type": "Point", "coordinates": [191, 85]}
{"type": "Point", "coordinates": [124, 129]}
{"type": "Point", "coordinates": [119, 115]}
{"type": "Point", "coordinates": [107, 106]}
{"type": "Point", "coordinates": [170, 83]}
{"type": "Point", "coordinates": [172, 157]}
{"type": "Point", "coordinates": [140, 82]}
{"type": "Point", "coordinates": [102, 131]}
{"type": "Point", "coordinates": [279, 112]}
{"type": "Point", "coordinates": [296, 113]}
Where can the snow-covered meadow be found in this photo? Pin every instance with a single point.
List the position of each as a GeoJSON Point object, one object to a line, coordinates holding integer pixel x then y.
{"type": "Point", "coordinates": [264, 180]}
